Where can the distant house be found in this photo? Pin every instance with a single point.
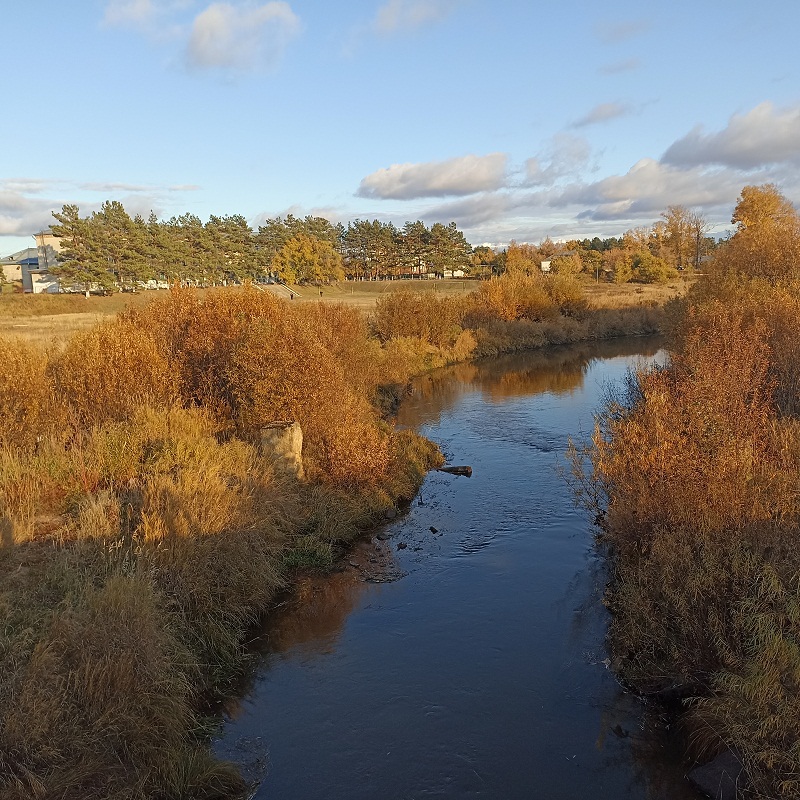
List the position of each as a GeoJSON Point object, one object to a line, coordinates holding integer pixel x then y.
{"type": "Point", "coordinates": [48, 247]}
{"type": "Point", "coordinates": [12, 265]}
{"type": "Point", "coordinates": [37, 280]}
{"type": "Point", "coordinates": [454, 273]}
{"type": "Point", "coordinates": [417, 271]}
{"type": "Point", "coordinates": [36, 277]}
{"type": "Point", "coordinates": [545, 265]}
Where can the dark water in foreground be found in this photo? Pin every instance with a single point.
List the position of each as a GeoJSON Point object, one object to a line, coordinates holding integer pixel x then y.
{"type": "Point", "coordinates": [470, 661]}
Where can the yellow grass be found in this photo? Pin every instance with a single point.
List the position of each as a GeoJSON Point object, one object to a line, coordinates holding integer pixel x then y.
{"type": "Point", "coordinates": [623, 295]}
{"type": "Point", "coordinates": [43, 319]}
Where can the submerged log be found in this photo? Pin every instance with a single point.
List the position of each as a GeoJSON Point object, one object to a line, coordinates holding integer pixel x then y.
{"type": "Point", "coordinates": [457, 470]}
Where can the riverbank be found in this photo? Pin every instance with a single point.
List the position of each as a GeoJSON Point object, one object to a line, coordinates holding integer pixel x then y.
{"type": "Point", "coordinates": [145, 527]}
{"type": "Point", "coordinates": [695, 480]}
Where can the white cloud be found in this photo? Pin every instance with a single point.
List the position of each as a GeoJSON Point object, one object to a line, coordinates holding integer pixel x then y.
{"type": "Point", "coordinates": [647, 189]}
{"type": "Point", "coordinates": [229, 37]}
{"type": "Point", "coordinates": [603, 113]}
{"type": "Point", "coordinates": [24, 185]}
{"type": "Point", "coordinates": [565, 155]}
{"type": "Point", "coordinates": [765, 135]}
{"type": "Point", "coordinates": [472, 212]}
{"type": "Point", "coordinates": [21, 215]}
{"type": "Point", "coordinates": [26, 204]}
{"type": "Point", "coordinates": [454, 177]}
{"type": "Point", "coordinates": [399, 15]}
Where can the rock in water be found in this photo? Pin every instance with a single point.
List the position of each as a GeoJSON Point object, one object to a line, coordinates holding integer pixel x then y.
{"type": "Point", "coordinates": [467, 471]}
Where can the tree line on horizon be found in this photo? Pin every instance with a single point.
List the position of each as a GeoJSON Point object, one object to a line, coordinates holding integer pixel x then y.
{"type": "Point", "coordinates": [110, 250]}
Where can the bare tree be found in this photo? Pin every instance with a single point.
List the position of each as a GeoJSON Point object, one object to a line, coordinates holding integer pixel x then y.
{"type": "Point", "coordinates": [699, 227]}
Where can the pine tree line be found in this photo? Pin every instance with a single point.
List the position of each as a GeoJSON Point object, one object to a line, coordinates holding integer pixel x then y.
{"type": "Point", "coordinates": [110, 250]}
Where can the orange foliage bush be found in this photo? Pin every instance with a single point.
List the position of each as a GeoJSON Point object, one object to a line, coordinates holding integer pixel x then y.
{"type": "Point", "coordinates": [510, 297]}
{"type": "Point", "coordinates": [111, 370]}
{"type": "Point", "coordinates": [695, 449]}
{"type": "Point", "coordinates": [419, 314]}
{"type": "Point", "coordinates": [697, 481]}
{"type": "Point", "coordinates": [252, 359]}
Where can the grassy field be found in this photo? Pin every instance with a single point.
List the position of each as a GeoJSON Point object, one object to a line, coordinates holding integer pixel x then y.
{"type": "Point", "coordinates": [46, 319]}
{"type": "Point", "coordinates": [622, 295]}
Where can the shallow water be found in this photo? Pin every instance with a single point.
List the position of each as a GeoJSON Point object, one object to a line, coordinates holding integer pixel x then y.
{"type": "Point", "coordinates": [460, 653]}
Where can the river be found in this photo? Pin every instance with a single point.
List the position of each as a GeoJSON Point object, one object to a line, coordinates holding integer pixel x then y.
{"type": "Point", "coordinates": [460, 651]}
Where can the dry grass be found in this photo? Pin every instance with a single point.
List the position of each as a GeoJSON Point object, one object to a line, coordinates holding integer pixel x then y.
{"type": "Point", "coordinates": [365, 294]}
{"type": "Point", "coordinates": [622, 295]}
{"type": "Point", "coordinates": [43, 319]}
{"type": "Point", "coordinates": [142, 529]}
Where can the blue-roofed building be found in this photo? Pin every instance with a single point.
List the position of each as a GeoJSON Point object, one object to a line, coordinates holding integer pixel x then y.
{"type": "Point", "coordinates": [12, 265]}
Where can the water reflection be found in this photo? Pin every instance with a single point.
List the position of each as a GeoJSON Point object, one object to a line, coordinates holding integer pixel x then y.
{"type": "Point", "coordinates": [558, 370]}
{"type": "Point", "coordinates": [308, 621]}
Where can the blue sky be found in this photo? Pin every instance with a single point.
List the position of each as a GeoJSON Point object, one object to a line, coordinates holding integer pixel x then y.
{"type": "Point", "coordinates": [516, 120]}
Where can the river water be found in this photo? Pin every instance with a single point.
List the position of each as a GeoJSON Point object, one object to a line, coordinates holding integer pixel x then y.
{"type": "Point", "coordinates": [460, 652]}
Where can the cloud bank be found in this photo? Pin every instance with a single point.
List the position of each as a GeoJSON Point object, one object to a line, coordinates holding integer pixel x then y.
{"type": "Point", "coordinates": [765, 135]}
{"type": "Point", "coordinates": [26, 204]}
{"type": "Point", "coordinates": [553, 193]}
{"type": "Point", "coordinates": [455, 177]}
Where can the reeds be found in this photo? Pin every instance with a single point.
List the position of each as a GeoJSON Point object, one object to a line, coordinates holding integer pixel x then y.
{"type": "Point", "coordinates": [695, 478]}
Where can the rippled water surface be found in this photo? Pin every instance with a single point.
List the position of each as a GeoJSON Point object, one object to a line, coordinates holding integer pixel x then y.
{"type": "Point", "coordinates": [460, 652]}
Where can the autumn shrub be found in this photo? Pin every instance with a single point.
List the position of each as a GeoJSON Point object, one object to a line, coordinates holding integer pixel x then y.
{"type": "Point", "coordinates": [567, 295]}
{"type": "Point", "coordinates": [140, 544]}
{"type": "Point", "coordinates": [404, 356]}
{"type": "Point", "coordinates": [778, 306]}
{"type": "Point", "coordinates": [199, 337]}
{"type": "Point", "coordinates": [423, 315]}
{"type": "Point", "coordinates": [250, 359]}
{"type": "Point", "coordinates": [696, 449]}
{"type": "Point", "coordinates": [25, 393]}
{"type": "Point", "coordinates": [696, 481]}
{"type": "Point", "coordinates": [510, 297]}
{"type": "Point", "coordinates": [109, 371]}
{"type": "Point", "coordinates": [345, 333]}
{"type": "Point", "coordinates": [782, 311]}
